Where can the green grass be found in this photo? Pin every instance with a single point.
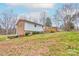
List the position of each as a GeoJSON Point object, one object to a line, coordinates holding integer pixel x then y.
{"type": "Point", "coordinates": [48, 44]}
{"type": "Point", "coordinates": [3, 37]}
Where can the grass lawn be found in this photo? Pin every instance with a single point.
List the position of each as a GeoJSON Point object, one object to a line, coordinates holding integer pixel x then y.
{"type": "Point", "coordinates": [3, 37]}
{"type": "Point", "coordinates": [49, 44]}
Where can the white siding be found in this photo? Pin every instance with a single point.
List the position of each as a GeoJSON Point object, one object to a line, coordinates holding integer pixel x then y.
{"type": "Point", "coordinates": [31, 27]}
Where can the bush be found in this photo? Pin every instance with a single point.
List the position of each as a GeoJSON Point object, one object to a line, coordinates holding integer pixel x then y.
{"type": "Point", "coordinates": [51, 30]}
{"type": "Point", "coordinates": [28, 33]}
{"type": "Point", "coordinates": [36, 32]}
{"type": "Point", "coordinates": [13, 36]}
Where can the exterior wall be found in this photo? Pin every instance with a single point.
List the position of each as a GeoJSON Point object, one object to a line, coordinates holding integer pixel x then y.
{"type": "Point", "coordinates": [20, 28]}
{"type": "Point", "coordinates": [33, 27]}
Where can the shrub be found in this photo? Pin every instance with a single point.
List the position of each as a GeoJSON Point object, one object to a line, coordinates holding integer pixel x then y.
{"type": "Point", "coordinates": [51, 30]}
{"type": "Point", "coordinates": [13, 36]}
{"type": "Point", "coordinates": [28, 33]}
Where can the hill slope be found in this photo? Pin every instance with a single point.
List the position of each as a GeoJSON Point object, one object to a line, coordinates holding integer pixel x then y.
{"type": "Point", "coordinates": [61, 43]}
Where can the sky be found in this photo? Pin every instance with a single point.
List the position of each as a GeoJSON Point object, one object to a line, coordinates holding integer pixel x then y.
{"type": "Point", "coordinates": [30, 9]}
{"type": "Point", "coordinates": [20, 8]}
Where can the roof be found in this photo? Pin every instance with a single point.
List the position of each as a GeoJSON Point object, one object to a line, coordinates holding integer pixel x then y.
{"type": "Point", "coordinates": [28, 21]}
{"type": "Point", "coordinates": [33, 22]}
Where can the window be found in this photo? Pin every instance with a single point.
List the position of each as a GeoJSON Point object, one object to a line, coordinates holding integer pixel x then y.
{"type": "Point", "coordinates": [35, 25]}
{"type": "Point", "coordinates": [42, 26]}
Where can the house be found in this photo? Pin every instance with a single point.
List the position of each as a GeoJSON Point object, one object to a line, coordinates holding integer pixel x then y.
{"type": "Point", "coordinates": [23, 26]}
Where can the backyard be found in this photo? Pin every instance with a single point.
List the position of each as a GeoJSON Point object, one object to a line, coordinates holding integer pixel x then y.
{"type": "Point", "coordinates": [48, 44]}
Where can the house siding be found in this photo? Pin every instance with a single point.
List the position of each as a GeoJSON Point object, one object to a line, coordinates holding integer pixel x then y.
{"type": "Point", "coordinates": [33, 27]}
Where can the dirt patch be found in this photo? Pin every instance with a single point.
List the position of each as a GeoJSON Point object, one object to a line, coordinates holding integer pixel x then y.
{"type": "Point", "coordinates": [28, 48]}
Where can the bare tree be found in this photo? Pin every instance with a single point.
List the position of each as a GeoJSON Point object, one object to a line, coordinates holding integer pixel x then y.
{"type": "Point", "coordinates": [7, 21]}
{"type": "Point", "coordinates": [43, 17]}
{"type": "Point", "coordinates": [68, 15]}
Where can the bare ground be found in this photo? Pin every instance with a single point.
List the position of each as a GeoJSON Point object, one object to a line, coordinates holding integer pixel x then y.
{"type": "Point", "coordinates": [31, 47]}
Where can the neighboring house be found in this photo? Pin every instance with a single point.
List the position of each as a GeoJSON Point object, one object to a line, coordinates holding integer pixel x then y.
{"type": "Point", "coordinates": [23, 26]}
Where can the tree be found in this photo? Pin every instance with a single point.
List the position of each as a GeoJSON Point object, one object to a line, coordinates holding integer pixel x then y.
{"type": "Point", "coordinates": [43, 17]}
{"type": "Point", "coordinates": [7, 21]}
{"type": "Point", "coordinates": [48, 22]}
{"type": "Point", "coordinates": [67, 15]}
{"type": "Point", "coordinates": [69, 26]}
